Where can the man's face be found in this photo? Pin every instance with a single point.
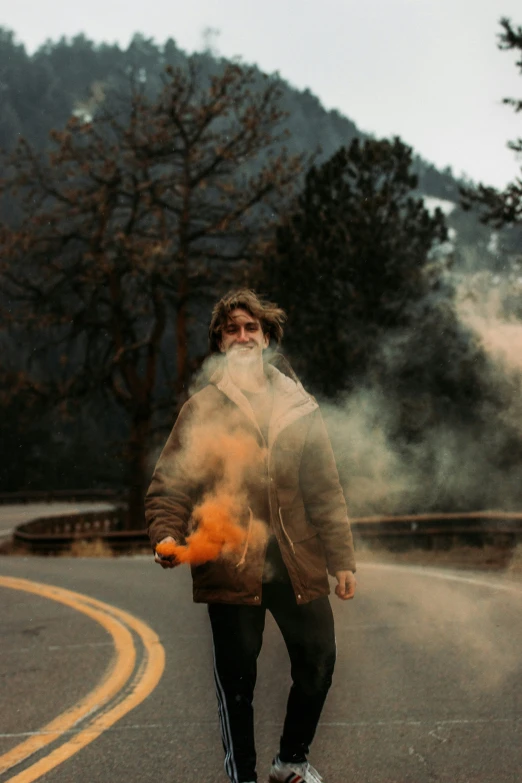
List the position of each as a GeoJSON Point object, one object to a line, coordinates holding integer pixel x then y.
{"type": "Point", "coordinates": [242, 338]}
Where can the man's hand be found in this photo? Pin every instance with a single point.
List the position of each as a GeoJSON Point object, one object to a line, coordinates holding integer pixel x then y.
{"type": "Point", "coordinates": [166, 562]}
{"type": "Point", "coordinates": [346, 583]}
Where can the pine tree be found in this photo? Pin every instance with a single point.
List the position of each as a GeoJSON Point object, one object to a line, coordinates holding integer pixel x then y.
{"type": "Point", "coordinates": [501, 208]}
{"type": "Point", "coordinates": [350, 259]}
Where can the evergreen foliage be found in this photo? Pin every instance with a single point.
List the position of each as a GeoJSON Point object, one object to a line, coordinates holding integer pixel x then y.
{"type": "Point", "coordinates": [351, 260]}
{"type": "Point", "coordinates": [40, 91]}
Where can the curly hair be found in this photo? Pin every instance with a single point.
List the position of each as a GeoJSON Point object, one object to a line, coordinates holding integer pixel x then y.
{"type": "Point", "coordinates": [269, 315]}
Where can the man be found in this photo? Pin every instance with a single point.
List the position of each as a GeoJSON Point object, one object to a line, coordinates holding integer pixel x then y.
{"type": "Point", "coordinates": [291, 487]}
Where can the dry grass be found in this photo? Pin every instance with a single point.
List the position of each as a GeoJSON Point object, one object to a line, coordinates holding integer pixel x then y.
{"type": "Point", "coordinates": [82, 548]}
{"type": "Point", "coordinates": [96, 547]}
{"type": "Point", "coordinates": [10, 547]}
{"type": "Point", "coordinates": [488, 558]}
{"type": "Point", "coordinates": [515, 565]}
{"type": "Point", "coordinates": [99, 548]}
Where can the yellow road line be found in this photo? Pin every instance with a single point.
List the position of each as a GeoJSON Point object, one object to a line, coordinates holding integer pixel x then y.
{"type": "Point", "coordinates": [119, 671]}
{"type": "Point", "coordinates": [146, 679]}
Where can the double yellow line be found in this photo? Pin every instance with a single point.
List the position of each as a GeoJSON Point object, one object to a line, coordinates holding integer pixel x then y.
{"type": "Point", "coordinates": [95, 708]}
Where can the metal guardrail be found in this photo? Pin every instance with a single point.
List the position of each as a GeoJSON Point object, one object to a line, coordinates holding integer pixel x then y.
{"type": "Point", "coordinates": [441, 530]}
{"type": "Point", "coordinates": [57, 533]}
{"type": "Point", "coordinates": [426, 531]}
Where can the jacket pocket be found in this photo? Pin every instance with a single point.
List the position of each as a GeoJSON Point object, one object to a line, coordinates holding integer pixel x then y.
{"type": "Point", "coordinates": [307, 549]}
{"type": "Point", "coordinates": [295, 524]}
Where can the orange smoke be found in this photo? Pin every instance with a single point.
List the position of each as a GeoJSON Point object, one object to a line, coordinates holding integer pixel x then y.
{"type": "Point", "coordinates": [218, 532]}
{"type": "Point", "coordinates": [222, 457]}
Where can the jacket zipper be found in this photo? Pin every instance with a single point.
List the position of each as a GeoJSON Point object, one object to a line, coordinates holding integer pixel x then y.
{"type": "Point", "coordinates": [295, 578]}
{"type": "Point", "coordinates": [285, 532]}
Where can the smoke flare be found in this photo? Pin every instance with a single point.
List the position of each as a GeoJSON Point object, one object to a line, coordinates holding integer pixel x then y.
{"type": "Point", "coordinates": [218, 532]}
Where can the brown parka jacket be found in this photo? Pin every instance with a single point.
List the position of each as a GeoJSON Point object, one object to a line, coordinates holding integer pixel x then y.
{"type": "Point", "coordinates": [299, 491]}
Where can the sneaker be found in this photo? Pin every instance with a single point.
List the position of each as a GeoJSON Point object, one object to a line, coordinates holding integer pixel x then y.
{"type": "Point", "coordinates": [293, 773]}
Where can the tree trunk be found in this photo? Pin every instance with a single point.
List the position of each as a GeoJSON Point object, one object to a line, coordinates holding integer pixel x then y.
{"type": "Point", "coordinates": [183, 288]}
{"type": "Point", "coordinates": [138, 472]}
{"type": "Point", "coordinates": [182, 344]}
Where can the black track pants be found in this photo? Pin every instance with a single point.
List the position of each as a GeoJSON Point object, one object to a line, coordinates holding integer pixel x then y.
{"type": "Point", "coordinates": [237, 630]}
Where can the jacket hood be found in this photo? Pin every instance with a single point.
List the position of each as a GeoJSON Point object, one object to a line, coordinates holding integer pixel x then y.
{"type": "Point", "coordinates": [291, 401]}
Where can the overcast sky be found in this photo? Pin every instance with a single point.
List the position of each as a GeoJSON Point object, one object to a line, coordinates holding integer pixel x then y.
{"type": "Point", "coordinates": [428, 70]}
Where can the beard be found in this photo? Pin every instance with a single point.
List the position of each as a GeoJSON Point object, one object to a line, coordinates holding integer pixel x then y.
{"type": "Point", "coordinates": [244, 354]}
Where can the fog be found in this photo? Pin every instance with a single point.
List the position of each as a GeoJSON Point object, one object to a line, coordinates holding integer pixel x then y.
{"type": "Point", "coordinates": [452, 465]}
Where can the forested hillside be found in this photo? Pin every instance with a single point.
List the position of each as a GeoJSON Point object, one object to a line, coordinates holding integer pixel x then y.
{"type": "Point", "coordinates": [40, 91]}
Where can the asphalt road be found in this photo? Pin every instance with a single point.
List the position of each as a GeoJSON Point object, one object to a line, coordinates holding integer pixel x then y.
{"type": "Point", "coordinates": [427, 685]}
